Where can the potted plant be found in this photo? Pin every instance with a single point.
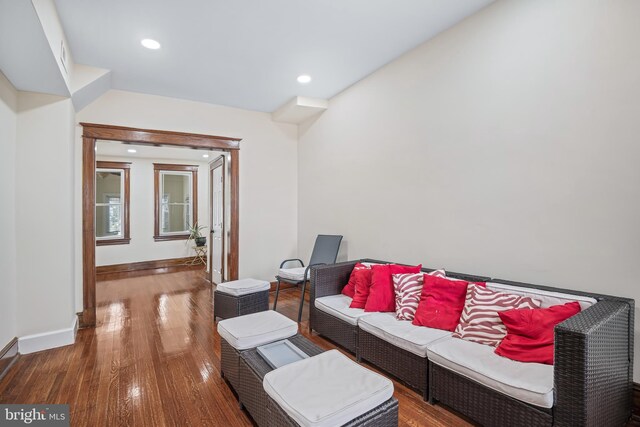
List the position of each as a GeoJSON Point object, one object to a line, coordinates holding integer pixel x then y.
{"type": "Point", "coordinates": [196, 235]}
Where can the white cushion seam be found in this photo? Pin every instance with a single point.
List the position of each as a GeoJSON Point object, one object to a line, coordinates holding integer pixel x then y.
{"type": "Point", "coordinates": [486, 385]}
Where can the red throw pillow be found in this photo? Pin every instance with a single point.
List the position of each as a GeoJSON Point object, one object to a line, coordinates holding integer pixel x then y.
{"type": "Point", "coordinates": [530, 332]}
{"type": "Point", "coordinates": [382, 297]}
{"type": "Point", "coordinates": [363, 283]}
{"type": "Point", "coordinates": [408, 288]}
{"type": "Point", "coordinates": [350, 288]}
{"type": "Point", "coordinates": [441, 303]}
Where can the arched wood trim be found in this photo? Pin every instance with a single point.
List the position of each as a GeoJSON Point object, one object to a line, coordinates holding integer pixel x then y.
{"type": "Point", "coordinates": [92, 132]}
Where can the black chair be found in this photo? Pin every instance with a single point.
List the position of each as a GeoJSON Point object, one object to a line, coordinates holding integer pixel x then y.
{"type": "Point", "coordinates": [325, 251]}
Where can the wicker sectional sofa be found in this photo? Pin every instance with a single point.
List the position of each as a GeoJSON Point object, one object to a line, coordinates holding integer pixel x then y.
{"type": "Point", "coordinates": [590, 383]}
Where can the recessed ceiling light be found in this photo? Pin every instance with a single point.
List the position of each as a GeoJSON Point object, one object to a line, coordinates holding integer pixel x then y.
{"type": "Point", "coordinates": [150, 44]}
{"type": "Point", "coordinates": [206, 156]}
{"type": "Point", "coordinates": [304, 79]}
{"type": "Point", "coordinates": [131, 150]}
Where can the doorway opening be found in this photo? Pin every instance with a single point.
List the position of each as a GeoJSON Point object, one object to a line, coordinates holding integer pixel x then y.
{"type": "Point", "coordinates": [217, 224]}
{"type": "Point", "coordinates": [228, 219]}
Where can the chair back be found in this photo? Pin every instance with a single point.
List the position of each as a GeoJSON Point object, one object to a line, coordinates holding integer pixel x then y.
{"type": "Point", "coordinates": [325, 250]}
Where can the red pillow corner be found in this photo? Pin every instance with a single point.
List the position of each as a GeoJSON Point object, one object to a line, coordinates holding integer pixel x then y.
{"type": "Point", "coordinates": [350, 288]}
{"type": "Point", "coordinates": [530, 332]}
{"type": "Point", "coordinates": [362, 285]}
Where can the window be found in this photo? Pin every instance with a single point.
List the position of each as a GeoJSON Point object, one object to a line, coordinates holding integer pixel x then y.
{"type": "Point", "coordinates": [176, 198]}
{"type": "Point", "coordinates": [112, 203]}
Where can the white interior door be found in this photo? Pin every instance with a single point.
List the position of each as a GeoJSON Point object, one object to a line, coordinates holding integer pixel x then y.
{"type": "Point", "coordinates": [217, 220]}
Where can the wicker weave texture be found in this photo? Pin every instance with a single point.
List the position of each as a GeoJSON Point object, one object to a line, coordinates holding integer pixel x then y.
{"type": "Point", "coordinates": [385, 415]}
{"type": "Point", "coordinates": [230, 364]}
{"type": "Point", "coordinates": [482, 404]}
{"type": "Point", "coordinates": [329, 280]}
{"type": "Point", "coordinates": [592, 367]}
{"type": "Point", "coordinates": [226, 306]}
{"type": "Point", "coordinates": [338, 331]}
{"type": "Point", "coordinates": [409, 368]}
{"type": "Point", "coordinates": [467, 277]}
{"type": "Point", "coordinates": [251, 392]}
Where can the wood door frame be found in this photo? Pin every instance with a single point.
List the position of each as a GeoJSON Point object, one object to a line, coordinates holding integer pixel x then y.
{"type": "Point", "coordinates": [91, 132]}
{"type": "Point", "coordinates": [216, 163]}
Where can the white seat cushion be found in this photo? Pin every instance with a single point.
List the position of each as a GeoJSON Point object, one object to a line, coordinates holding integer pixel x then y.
{"type": "Point", "coordinates": [256, 329]}
{"type": "Point", "coordinates": [528, 382]}
{"type": "Point", "coordinates": [296, 274]}
{"type": "Point", "coordinates": [243, 286]}
{"type": "Point", "coordinates": [401, 333]}
{"type": "Point", "coordinates": [338, 306]}
{"type": "Point", "coordinates": [546, 298]}
{"type": "Point", "coordinates": [326, 390]}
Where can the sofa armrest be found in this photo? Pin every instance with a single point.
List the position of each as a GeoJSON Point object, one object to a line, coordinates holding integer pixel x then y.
{"type": "Point", "coordinates": [593, 366]}
{"type": "Point", "coordinates": [329, 279]}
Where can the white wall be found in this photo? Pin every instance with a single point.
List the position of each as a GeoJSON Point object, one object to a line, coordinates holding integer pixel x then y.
{"type": "Point", "coordinates": [142, 246]}
{"type": "Point", "coordinates": [8, 126]}
{"type": "Point", "coordinates": [507, 146]}
{"type": "Point", "coordinates": [268, 173]}
{"type": "Point", "coordinates": [48, 17]}
{"type": "Point", "coordinates": [44, 213]}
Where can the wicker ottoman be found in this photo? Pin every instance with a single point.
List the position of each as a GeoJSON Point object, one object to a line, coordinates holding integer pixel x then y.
{"type": "Point", "coordinates": [240, 297]}
{"type": "Point", "coordinates": [245, 332]}
{"type": "Point", "coordinates": [329, 390]}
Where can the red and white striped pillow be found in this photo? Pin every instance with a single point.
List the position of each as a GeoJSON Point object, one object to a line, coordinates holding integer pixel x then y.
{"type": "Point", "coordinates": [408, 288]}
{"type": "Point", "coordinates": [480, 322]}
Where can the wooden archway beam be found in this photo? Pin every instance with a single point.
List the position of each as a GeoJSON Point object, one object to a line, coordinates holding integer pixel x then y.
{"type": "Point", "coordinates": [159, 137]}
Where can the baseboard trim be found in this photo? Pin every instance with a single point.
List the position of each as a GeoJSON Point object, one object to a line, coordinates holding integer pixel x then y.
{"type": "Point", "coordinates": [8, 356]}
{"type": "Point", "coordinates": [48, 340]}
{"type": "Point", "coordinates": [114, 271]}
{"type": "Point", "coordinates": [283, 286]}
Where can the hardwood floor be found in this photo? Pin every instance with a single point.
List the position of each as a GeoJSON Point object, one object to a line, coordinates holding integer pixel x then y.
{"type": "Point", "coordinates": [154, 359]}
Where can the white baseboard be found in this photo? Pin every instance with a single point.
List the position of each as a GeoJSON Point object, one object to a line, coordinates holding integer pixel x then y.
{"type": "Point", "coordinates": [46, 340]}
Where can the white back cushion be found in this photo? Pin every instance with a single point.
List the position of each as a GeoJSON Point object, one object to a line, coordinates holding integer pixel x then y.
{"type": "Point", "coordinates": [546, 298]}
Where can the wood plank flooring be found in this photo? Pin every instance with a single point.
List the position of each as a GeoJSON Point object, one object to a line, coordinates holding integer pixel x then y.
{"type": "Point", "coordinates": [154, 360]}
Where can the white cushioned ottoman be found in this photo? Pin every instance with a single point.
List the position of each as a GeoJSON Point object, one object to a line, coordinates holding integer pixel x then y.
{"type": "Point", "coordinates": [249, 331]}
{"type": "Point", "coordinates": [327, 390]}
{"type": "Point", "coordinates": [240, 297]}
{"type": "Point", "coordinates": [243, 286]}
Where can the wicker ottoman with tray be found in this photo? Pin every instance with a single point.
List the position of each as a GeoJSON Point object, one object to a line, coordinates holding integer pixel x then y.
{"type": "Point", "coordinates": [246, 332]}
{"type": "Point", "coordinates": [325, 389]}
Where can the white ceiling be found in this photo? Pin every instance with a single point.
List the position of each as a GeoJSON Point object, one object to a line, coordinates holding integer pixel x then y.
{"type": "Point", "coordinates": [119, 149]}
{"type": "Point", "coordinates": [248, 53]}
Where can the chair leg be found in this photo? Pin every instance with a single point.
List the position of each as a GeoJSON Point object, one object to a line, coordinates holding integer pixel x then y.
{"type": "Point", "coordinates": [275, 300]}
{"type": "Point", "coordinates": [304, 284]}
